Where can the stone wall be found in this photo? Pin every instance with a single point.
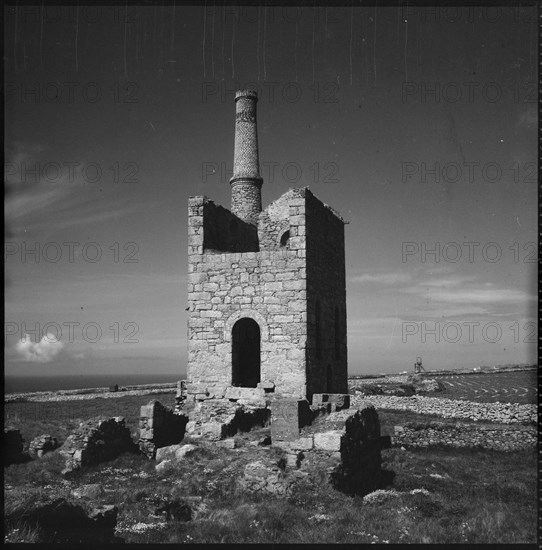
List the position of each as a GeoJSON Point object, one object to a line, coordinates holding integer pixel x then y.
{"type": "Point", "coordinates": [95, 441]}
{"type": "Point", "coordinates": [326, 299]}
{"type": "Point", "coordinates": [464, 435]}
{"type": "Point", "coordinates": [508, 413]}
{"type": "Point", "coordinates": [216, 419]}
{"type": "Point", "coordinates": [41, 445]}
{"type": "Point", "coordinates": [267, 286]}
{"type": "Point", "coordinates": [270, 287]}
{"type": "Point", "coordinates": [351, 437]}
{"type": "Point", "coordinates": [159, 426]}
{"type": "Point", "coordinates": [275, 221]}
{"type": "Point", "coordinates": [223, 231]}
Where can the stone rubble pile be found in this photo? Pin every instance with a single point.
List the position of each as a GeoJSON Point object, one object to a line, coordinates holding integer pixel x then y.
{"type": "Point", "coordinates": [41, 445]}
{"type": "Point", "coordinates": [506, 413]}
{"type": "Point", "coordinates": [464, 435]}
{"type": "Point", "coordinates": [263, 476]}
{"type": "Point", "coordinates": [221, 418]}
{"type": "Point", "coordinates": [95, 441]}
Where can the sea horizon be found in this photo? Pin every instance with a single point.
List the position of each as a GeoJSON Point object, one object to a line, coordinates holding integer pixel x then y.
{"type": "Point", "coordinates": [22, 384]}
{"type": "Point", "coordinates": [28, 383]}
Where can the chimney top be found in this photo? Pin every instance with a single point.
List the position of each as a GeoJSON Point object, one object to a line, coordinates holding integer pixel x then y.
{"type": "Point", "coordinates": [252, 94]}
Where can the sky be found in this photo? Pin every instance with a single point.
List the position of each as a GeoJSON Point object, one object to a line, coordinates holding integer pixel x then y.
{"type": "Point", "coordinates": [418, 125]}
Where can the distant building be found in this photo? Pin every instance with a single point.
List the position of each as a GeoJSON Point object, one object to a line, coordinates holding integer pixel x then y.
{"type": "Point", "coordinates": [266, 288]}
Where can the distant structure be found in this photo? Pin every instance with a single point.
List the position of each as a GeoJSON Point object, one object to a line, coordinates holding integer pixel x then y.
{"type": "Point", "coordinates": [418, 367]}
{"type": "Point", "coordinates": [266, 288]}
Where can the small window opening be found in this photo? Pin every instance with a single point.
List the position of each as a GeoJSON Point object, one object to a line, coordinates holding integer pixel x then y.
{"type": "Point", "coordinates": [285, 238]}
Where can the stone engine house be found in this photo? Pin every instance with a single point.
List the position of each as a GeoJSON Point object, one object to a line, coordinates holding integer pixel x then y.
{"type": "Point", "coordinates": [266, 288]}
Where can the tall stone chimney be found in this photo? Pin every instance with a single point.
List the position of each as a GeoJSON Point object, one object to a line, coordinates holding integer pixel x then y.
{"type": "Point", "coordinates": [246, 183]}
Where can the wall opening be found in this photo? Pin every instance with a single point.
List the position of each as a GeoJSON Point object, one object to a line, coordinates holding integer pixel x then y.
{"type": "Point", "coordinates": [285, 238]}
{"type": "Point", "coordinates": [246, 353]}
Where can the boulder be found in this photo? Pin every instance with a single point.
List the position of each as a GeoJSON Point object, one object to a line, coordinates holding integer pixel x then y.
{"type": "Point", "coordinates": [184, 450]}
{"type": "Point", "coordinates": [168, 452]}
{"type": "Point", "coordinates": [91, 491]}
{"type": "Point", "coordinates": [267, 478]}
{"type": "Point", "coordinates": [164, 465]}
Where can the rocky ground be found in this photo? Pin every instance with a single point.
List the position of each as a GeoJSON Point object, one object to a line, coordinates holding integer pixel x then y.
{"type": "Point", "coordinates": [215, 493]}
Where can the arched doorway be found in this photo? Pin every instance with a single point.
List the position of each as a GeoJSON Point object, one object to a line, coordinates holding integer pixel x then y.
{"type": "Point", "coordinates": [245, 353]}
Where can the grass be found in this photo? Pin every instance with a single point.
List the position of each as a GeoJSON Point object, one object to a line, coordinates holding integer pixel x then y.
{"type": "Point", "coordinates": [60, 418]}
{"type": "Point", "coordinates": [464, 496]}
{"type": "Point", "coordinates": [438, 495]}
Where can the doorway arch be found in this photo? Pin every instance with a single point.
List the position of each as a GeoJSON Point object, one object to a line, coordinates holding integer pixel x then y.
{"type": "Point", "coordinates": [246, 348]}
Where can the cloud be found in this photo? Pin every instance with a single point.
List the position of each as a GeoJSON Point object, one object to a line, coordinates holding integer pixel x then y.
{"type": "Point", "coordinates": [446, 282]}
{"type": "Point", "coordinates": [42, 352]}
{"type": "Point", "coordinates": [382, 278]}
{"type": "Point", "coordinates": [446, 292]}
{"type": "Point", "coordinates": [58, 197]}
{"type": "Point", "coordinates": [480, 296]}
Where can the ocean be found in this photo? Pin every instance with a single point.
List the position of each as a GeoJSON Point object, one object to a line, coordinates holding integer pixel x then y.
{"type": "Point", "coordinates": [20, 384]}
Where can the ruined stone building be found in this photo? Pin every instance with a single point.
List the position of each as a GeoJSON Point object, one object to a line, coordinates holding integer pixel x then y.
{"type": "Point", "coordinates": [266, 288]}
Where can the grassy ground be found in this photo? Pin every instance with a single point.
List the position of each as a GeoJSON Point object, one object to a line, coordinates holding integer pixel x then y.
{"type": "Point", "coordinates": [438, 495]}
{"type": "Point", "coordinates": [59, 419]}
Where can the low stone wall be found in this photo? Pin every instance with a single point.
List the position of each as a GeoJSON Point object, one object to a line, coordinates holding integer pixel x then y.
{"type": "Point", "coordinates": [412, 434]}
{"type": "Point", "coordinates": [216, 419]}
{"type": "Point", "coordinates": [159, 427]}
{"type": "Point", "coordinates": [507, 413]}
{"type": "Point", "coordinates": [95, 441]}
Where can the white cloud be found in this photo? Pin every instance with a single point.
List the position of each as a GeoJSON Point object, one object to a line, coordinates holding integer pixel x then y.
{"type": "Point", "coordinates": [43, 351]}
{"type": "Point", "coordinates": [480, 296]}
{"type": "Point", "coordinates": [382, 278]}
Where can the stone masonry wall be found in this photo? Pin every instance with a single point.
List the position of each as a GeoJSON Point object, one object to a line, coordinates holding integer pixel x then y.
{"type": "Point", "coordinates": [96, 440]}
{"type": "Point", "coordinates": [507, 413]}
{"type": "Point", "coordinates": [464, 435]}
{"type": "Point", "coordinates": [267, 286]}
{"type": "Point", "coordinates": [275, 220]}
{"type": "Point", "coordinates": [246, 200]}
{"type": "Point", "coordinates": [351, 437]}
{"type": "Point", "coordinates": [159, 427]}
{"type": "Point", "coordinates": [326, 284]}
{"type": "Point", "coordinates": [224, 231]}
{"type": "Point", "coordinates": [278, 287]}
